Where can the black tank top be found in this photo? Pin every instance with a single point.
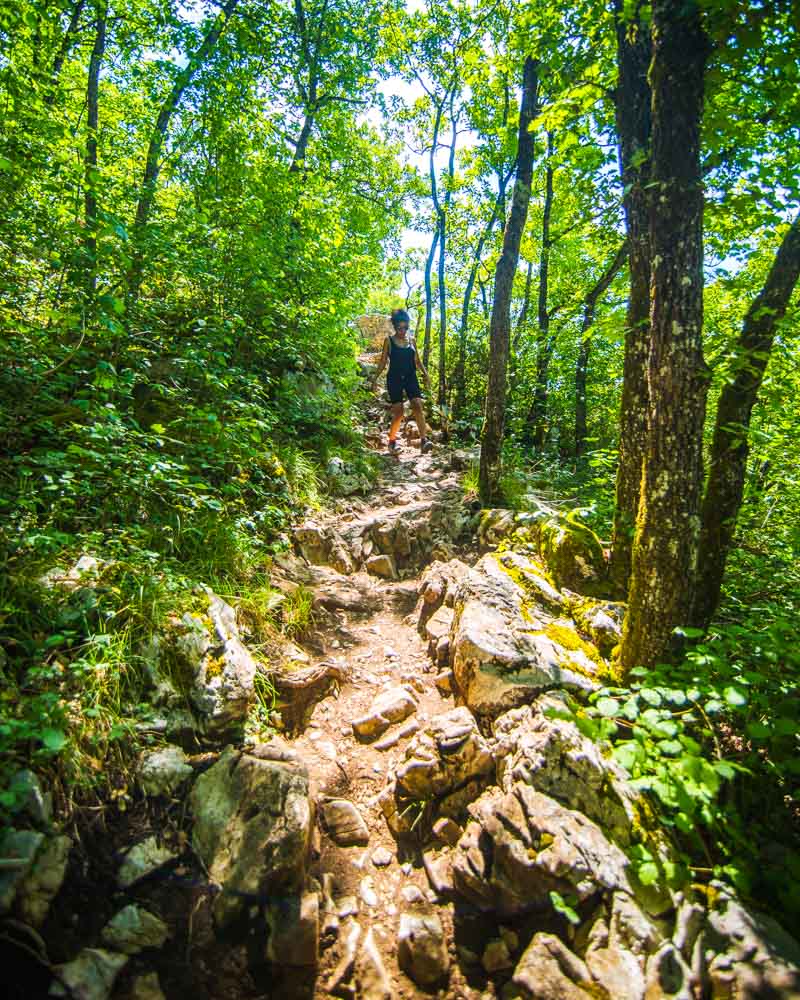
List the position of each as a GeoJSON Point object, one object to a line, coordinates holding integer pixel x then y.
{"type": "Point", "coordinates": [401, 360]}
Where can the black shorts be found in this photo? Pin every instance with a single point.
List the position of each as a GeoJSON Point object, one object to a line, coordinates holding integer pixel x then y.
{"type": "Point", "coordinates": [405, 383]}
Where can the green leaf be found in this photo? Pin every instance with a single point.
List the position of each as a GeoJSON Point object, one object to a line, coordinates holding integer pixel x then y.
{"type": "Point", "coordinates": [53, 739]}
{"type": "Point", "coordinates": [735, 697]}
{"type": "Point", "coordinates": [608, 707]}
{"type": "Point", "coordinates": [560, 905]}
{"type": "Point", "coordinates": [647, 873]}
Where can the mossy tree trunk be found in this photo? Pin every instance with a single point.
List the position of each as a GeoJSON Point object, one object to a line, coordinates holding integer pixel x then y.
{"type": "Point", "coordinates": [633, 100]}
{"type": "Point", "coordinates": [500, 322]}
{"type": "Point", "coordinates": [730, 447]}
{"type": "Point", "coordinates": [667, 528]}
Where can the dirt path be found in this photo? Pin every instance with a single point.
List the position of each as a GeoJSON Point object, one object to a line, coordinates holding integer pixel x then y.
{"type": "Point", "coordinates": [379, 651]}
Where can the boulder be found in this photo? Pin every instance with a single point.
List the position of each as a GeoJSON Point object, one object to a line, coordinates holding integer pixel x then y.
{"type": "Point", "coordinates": [573, 554]}
{"type": "Point", "coordinates": [90, 976]}
{"type": "Point", "coordinates": [751, 955]}
{"type": "Point", "coordinates": [502, 655]}
{"type": "Point", "coordinates": [393, 705]}
{"type": "Point", "coordinates": [142, 860]}
{"type": "Point", "coordinates": [601, 621]}
{"type": "Point", "coordinates": [221, 668]}
{"type": "Point", "coordinates": [133, 929]}
{"type": "Point", "coordinates": [322, 545]}
{"type": "Point", "coordinates": [163, 771]}
{"type": "Point", "coordinates": [549, 971]}
{"type": "Point", "coordinates": [35, 804]}
{"type": "Point", "coordinates": [552, 756]}
{"type": "Point", "coordinates": [146, 987]}
{"type": "Point", "coordinates": [421, 949]}
{"type": "Point", "coordinates": [521, 845]}
{"type": "Point", "coordinates": [252, 829]}
{"type": "Point", "coordinates": [668, 977]}
{"type": "Point", "coordinates": [293, 923]}
{"type": "Point", "coordinates": [19, 848]}
{"type": "Point", "coordinates": [383, 566]}
{"type": "Point", "coordinates": [344, 823]}
{"type": "Point", "coordinates": [44, 879]}
{"type": "Point", "coordinates": [445, 759]}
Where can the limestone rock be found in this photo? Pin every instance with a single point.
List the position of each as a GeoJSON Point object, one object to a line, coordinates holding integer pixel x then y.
{"type": "Point", "coordinates": [447, 756]}
{"type": "Point", "coordinates": [133, 929]}
{"type": "Point", "coordinates": [44, 879]}
{"type": "Point", "coordinates": [447, 830]}
{"type": "Point", "coordinates": [389, 707]}
{"type": "Point", "coordinates": [501, 654]}
{"type": "Point", "coordinates": [383, 566]}
{"type": "Point", "coordinates": [221, 667]}
{"type": "Point", "coordinates": [90, 976]}
{"type": "Point", "coordinates": [293, 922]}
{"type": "Point", "coordinates": [573, 554]}
{"type": "Point", "coordinates": [667, 976]}
{"type": "Point", "coordinates": [19, 847]}
{"type": "Point", "coordinates": [630, 929]}
{"type": "Point", "coordinates": [549, 971]}
{"type": "Point", "coordinates": [143, 859]}
{"type": "Point", "coordinates": [618, 972]}
{"type": "Point", "coordinates": [522, 845]}
{"type": "Point", "coordinates": [344, 823]}
{"type": "Point", "coordinates": [421, 950]}
{"type": "Point", "coordinates": [752, 955]}
{"type": "Point", "coordinates": [36, 804]}
{"type": "Point", "coordinates": [345, 968]}
{"type": "Point", "coordinates": [163, 771]}
{"type": "Point", "coordinates": [322, 545]}
{"type": "Point", "coordinates": [371, 976]}
{"type": "Point", "coordinates": [551, 755]}
{"type": "Point", "coordinates": [496, 956]}
{"type": "Point", "coordinates": [382, 857]}
{"type": "Point", "coordinates": [146, 987]}
{"type": "Point", "coordinates": [438, 625]}
{"type": "Point", "coordinates": [253, 823]}
{"type": "Point", "coordinates": [601, 621]}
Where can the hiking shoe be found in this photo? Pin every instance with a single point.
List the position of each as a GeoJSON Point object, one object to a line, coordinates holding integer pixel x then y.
{"type": "Point", "coordinates": [394, 447]}
{"type": "Point", "coordinates": [425, 445]}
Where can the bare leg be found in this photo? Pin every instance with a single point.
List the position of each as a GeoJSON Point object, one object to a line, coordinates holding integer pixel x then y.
{"type": "Point", "coordinates": [419, 416]}
{"type": "Point", "coordinates": [397, 419]}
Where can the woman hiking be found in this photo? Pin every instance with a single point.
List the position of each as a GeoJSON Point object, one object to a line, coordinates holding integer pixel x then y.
{"type": "Point", "coordinates": [402, 378]}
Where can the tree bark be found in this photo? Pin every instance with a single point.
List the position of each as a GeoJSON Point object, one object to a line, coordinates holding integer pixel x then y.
{"type": "Point", "coordinates": [584, 349]}
{"type": "Point", "coordinates": [426, 340]}
{"type": "Point", "coordinates": [500, 322]}
{"type": "Point", "coordinates": [459, 375]}
{"type": "Point", "coordinates": [441, 398]}
{"type": "Point", "coordinates": [157, 136]}
{"type": "Point", "coordinates": [522, 319]}
{"type": "Point", "coordinates": [633, 116]}
{"type": "Point", "coordinates": [437, 124]}
{"type": "Point", "coordinates": [90, 155]}
{"type": "Point", "coordinates": [537, 418]}
{"type": "Point", "coordinates": [63, 51]}
{"type": "Point", "coordinates": [667, 528]}
{"type": "Point", "coordinates": [730, 447]}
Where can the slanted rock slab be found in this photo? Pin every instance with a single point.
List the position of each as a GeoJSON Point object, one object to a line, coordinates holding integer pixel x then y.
{"type": "Point", "coordinates": [143, 859]}
{"type": "Point", "coordinates": [253, 823]}
{"type": "Point", "coordinates": [421, 950]}
{"type": "Point", "coordinates": [389, 707]}
{"type": "Point", "coordinates": [163, 771]}
{"type": "Point", "coordinates": [90, 976]}
{"type": "Point", "coordinates": [133, 929]}
{"type": "Point", "coordinates": [344, 823]}
{"type": "Point", "coordinates": [549, 971]}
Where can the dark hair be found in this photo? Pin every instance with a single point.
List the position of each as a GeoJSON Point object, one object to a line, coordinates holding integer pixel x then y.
{"type": "Point", "coordinates": [399, 316]}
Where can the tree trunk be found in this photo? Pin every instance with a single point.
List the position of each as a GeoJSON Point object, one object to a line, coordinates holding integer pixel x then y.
{"type": "Point", "coordinates": [152, 163]}
{"type": "Point", "coordinates": [537, 418]}
{"type": "Point", "coordinates": [633, 112]}
{"type": "Point", "coordinates": [584, 349]}
{"type": "Point", "coordinates": [667, 528]}
{"type": "Point", "coordinates": [522, 319]}
{"type": "Point", "coordinates": [441, 398]}
{"type": "Point", "coordinates": [66, 44]}
{"type": "Point", "coordinates": [437, 235]}
{"type": "Point", "coordinates": [730, 447]}
{"type": "Point", "coordinates": [426, 341]}
{"type": "Point", "coordinates": [500, 323]}
{"type": "Point", "coordinates": [459, 374]}
{"type": "Point", "coordinates": [90, 156]}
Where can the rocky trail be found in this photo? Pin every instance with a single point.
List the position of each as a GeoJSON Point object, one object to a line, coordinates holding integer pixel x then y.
{"type": "Point", "coordinates": [425, 822]}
